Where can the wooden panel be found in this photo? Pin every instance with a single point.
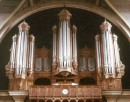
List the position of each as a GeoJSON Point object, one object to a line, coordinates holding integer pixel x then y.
{"type": "Point", "coordinates": [80, 92]}
{"type": "Point", "coordinates": [48, 92]}
{"type": "Point", "coordinates": [57, 91]}
{"type": "Point", "coordinates": [87, 91]}
{"type": "Point", "coordinates": [96, 92]}
{"type": "Point", "coordinates": [33, 92]}
{"type": "Point", "coordinates": [41, 91]}
{"type": "Point", "coordinates": [73, 91]}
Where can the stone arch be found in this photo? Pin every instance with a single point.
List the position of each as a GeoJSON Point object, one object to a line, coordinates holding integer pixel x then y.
{"type": "Point", "coordinates": [73, 4]}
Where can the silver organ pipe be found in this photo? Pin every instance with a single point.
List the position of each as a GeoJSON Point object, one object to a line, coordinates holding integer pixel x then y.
{"type": "Point", "coordinates": [116, 52]}
{"type": "Point", "coordinates": [31, 53]}
{"type": "Point", "coordinates": [54, 44]}
{"type": "Point", "coordinates": [84, 63]}
{"type": "Point", "coordinates": [65, 44]}
{"type": "Point", "coordinates": [18, 55]}
{"type": "Point", "coordinates": [91, 63]}
{"type": "Point", "coordinates": [13, 52]}
{"type": "Point", "coordinates": [98, 54]}
{"type": "Point", "coordinates": [112, 61]}
{"type": "Point", "coordinates": [60, 47]}
{"type": "Point", "coordinates": [74, 44]}
{"type": "Point", "coordinates": [105, 63]}
{"type": "Point", "coordinates": [24, 53]}
{"type": "Point", "coordinates": [68, 46]}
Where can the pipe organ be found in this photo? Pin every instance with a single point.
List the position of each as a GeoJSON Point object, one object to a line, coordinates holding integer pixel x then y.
{"type": "Point", "coordinates": [64, 46]}
{"type": "Point", "coordinates": [64, 66]}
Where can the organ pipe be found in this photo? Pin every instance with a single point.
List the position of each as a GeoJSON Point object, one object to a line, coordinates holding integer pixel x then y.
{"type": "Point", "coordinates": [31, 53]}
{"type": "Point", "coordinates": [68, 46]}
{"type": "Point", "coordinates": [13, 52]}
{"type": "Point", "coordinates": [116, 52]}
{"type": "Point", "coordinates": [98, 54]}
{"type": "Point", "coordinates": [74, 44]}
{"type": "Point", "coordinates": [60, 57]}
{"type": "Point", "coordinates": [18, 55]}
{"type": "Point", "coordinates": [107, 51]}
{"type": "Point", "coordinates": [54, 43]}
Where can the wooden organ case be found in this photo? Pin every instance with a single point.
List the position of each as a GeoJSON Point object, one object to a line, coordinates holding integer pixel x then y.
{"type": "Point", "coordinates": [65, 72]}
{"type": "Point", "coordinates": [62, 88]}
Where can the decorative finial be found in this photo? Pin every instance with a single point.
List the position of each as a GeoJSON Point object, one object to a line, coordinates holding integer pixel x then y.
{"type": "Point", "coordinates": [106, 25]}
{"type": "Point", "coordinates": [23, 26]}
{"type": "Point", "coordinates": [64, 15]}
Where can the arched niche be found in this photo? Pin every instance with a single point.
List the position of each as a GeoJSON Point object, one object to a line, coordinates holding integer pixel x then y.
{"type": "Point", "coordinates": [42, 81]}
{"type": "Point", "coordinates": [87, 81]}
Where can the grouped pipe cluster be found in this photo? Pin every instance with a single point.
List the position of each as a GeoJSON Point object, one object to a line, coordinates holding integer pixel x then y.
{"type": "Point", "coordinates": [107, 52]}
{"type": "Point", "coordinates": [22, 51]}
{"type": "Point", "coordinates": [64, 43]}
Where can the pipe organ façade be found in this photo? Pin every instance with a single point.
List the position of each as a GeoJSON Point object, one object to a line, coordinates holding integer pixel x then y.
{"type": "Point", "coordinates": [65, 66]}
